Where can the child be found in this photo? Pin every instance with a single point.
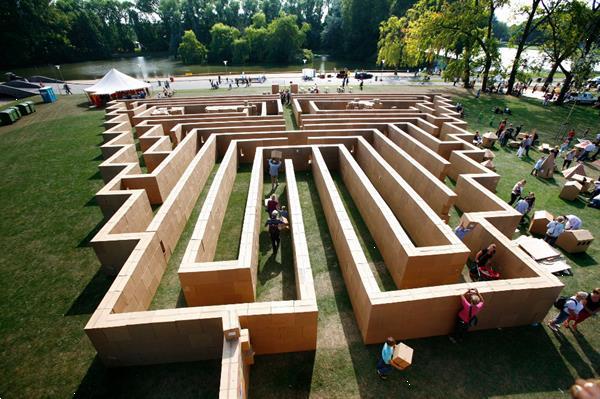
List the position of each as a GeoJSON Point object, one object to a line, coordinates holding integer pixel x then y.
{"type": "Point", "coordinates": [384, 366]}
{"type": "Point", "coordinates": [538, 166]}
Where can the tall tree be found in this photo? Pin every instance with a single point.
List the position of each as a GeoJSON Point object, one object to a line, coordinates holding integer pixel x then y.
{"type": "Point", "coordinates": [588, 51]}
{"type": "Point", "coordinates": [360, 22]}
{"type": "Point", "coordinates": [535, 17]}
{"type": "Point", "coordinates": [222, 38]}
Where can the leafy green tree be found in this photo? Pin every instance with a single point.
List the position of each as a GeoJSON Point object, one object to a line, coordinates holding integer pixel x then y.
{"type": "Point", "coordinates": [191, 51]}
{"type": "Point", "coordinates": [221, 42]}
{"type": "Point", "coordinates": [241, 51]}
{"type": "Point", "coordinates": [360, 23]}
{"type": "Point", "coordinates": [258, 41]}
{"type": "Point", "coordinates": [285, 39]}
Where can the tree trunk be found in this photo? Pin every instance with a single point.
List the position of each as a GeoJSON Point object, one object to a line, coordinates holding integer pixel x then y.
{"type": "Point", "coordinates": [467, 68]}
{"type": "Point", "coordinates": [486, 72]}
{"type": "Point", "coordinates": [564, 89]}
{"type": "Point", "coordinates": [551, 75]}
{"type": "Point", "coordinates": [521, 46]}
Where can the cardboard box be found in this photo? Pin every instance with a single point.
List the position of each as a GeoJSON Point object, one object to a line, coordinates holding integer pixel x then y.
{"type": "Point", "coordinates": [570, 191]}
{"type": "Point", "coordinates": [402, 357]}
{"type": "Point", "coordinates": [276, 154]}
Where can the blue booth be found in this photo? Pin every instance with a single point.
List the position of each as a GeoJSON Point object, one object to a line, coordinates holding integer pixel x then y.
{"type": "Point", "coordinates": [47, 94]}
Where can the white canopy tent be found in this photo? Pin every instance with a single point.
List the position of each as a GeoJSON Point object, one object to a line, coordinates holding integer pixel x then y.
{"type": "Point", "coordinates": [115, 85]}
{"type": "Point", "coordinates": [114, 82]}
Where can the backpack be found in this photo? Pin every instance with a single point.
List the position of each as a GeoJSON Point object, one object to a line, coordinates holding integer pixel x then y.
{"type": "Point", "coordinates": [561, 301]}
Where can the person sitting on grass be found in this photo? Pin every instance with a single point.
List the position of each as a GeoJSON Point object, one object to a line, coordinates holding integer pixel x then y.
{"type": "Point", "coordinates": [472, 303]}
{"type": "Point", "coordinates": [572, 307]}
{"type": "Point", "coordinates": [384, 364]}
{"type": "Point", "coordinates": [538, 166]}
{"type": "Point", "coordinates": [591, 305]}
{"type": "Point", "coordinates": [477, 140]}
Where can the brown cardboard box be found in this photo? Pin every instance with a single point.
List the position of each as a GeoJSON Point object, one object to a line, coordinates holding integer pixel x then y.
{"type": "Point", "coordinates": [402, 357]}
{"type": "Point", "coordinates": [276, 154]}
{"type": "Point", "coordinates": [570, 191]}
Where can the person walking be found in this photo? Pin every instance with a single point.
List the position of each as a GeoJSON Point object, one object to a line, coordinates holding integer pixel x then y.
{"type": "Point", "coordinates": [554, 229]}
{"type": "Point", "coordinates": [591, 305]}
{"type": "Point", "coordinates": [273, 227]}
{"type": "Point", "coordinates": [472, 303]}
{"type": "Point", "coordinates": [501, 127]}
{"type": "Point", "coordinates": [274, 165]}
{"type": "Point", "coordinates": [588, 149]}
{"type": "Point", "coordinates": [571, 307]}
{"type": "Point", "coordinates": [384, 364]}
{"type": "Point", "coordinates": [517, 191]}
{"type": "Point", "coordinates": [528, 143]}
{"type": "Point", "coordinates": [272, 204]}
{"type": "Point", "coordinates": [361, 84]}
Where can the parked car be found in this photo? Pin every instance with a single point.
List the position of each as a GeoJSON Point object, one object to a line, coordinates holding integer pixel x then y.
{"type": "Point", "coordinates": [342, 74]}
{"type": "Point", "coordinates": [594, 82]}
{"type": "Point", "coordinates": [582, 98]}
{"type": "Point", "coordinates": [362, 75]}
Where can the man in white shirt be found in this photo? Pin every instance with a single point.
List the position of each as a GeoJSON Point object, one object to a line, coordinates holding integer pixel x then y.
{"type": "Point", "coordinates": [554, 229]}
{"type": "Point", "coordinates": [588, 149]}
{"type": "Point", "coordinates": [573, 222]}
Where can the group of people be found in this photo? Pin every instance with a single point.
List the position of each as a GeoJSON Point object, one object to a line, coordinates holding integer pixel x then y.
{"type": "Point", "coordinates": [576, 309]}
{"type": "Point", "coordinates": [522, 203]}
{"type": "Point", "coordinates": [285, 96]}
{"type": "Point", "coordinates": [278, 215]}
{"type": "Point", "coordinates": [558, 226]}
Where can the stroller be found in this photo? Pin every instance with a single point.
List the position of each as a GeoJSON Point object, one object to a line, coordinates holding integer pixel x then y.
{"type": "Point", "coordinates": [483, 273]}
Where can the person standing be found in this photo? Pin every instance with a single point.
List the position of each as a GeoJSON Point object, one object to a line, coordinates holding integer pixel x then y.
{"type": "Point", "coordinates": [591, 305]}
{"type": "Point", "coordinates": [273, 226]}
{"type": "Point", "coordinates": [588, 149]}
{"type": "Point", "coordinates": [361, 84]}
{"type": "Point", "coordinates": [517, 191]}
{"type": "Point", "coordinates": [537, 166]}
{"type": "Point", "coordinates": [528, 143]}
{"type": "Point", "coordinates": [274, 165]}
{"type": "Point", "coordinates": [569, 158]}
{"type": "Point", "coordinates": [272, 204]}
{"type": "Point", "coordinates": [384, 364]}
{"type": "Point", "coordinates": [501, 127]}
{"type": "Point", "coordinates": [472, 303]}
{"type": "Point", "coordinates": [461, 231]}
{"type": "Point", "coordinates": [572, 307]}
{"type": "Point", "coordinates": [554, 229]}
{"type": "Point", "coordinates": [571, 135]}
{"type": "Point", "coordinates": [531, 201]}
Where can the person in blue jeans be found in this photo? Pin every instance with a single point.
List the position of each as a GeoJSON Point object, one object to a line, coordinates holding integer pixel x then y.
{"type": "Point", "coordinates": [384, 365]}
{"type": "Point", "coordinates": [274, 165]}
{"type": "Point", "coordinates": [572, 307]}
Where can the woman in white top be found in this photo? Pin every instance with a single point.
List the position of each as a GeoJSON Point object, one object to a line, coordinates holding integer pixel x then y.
{"type": "Point", "coordinates": [572, 307]}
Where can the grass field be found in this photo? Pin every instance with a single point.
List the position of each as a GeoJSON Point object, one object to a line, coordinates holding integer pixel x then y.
{"type": "Point", "coordinates": [52, 284]}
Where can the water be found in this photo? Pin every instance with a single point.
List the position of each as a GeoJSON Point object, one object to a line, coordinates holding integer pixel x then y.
{"type": "Point", "coordinates": [149, 67]}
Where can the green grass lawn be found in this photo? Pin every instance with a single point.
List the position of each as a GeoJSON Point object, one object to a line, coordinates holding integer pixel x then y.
{"type": "Point", "coordinates": [52, 283]}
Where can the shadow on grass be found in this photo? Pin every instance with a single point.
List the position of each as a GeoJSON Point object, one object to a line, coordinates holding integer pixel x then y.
{"type": "Point", "coordinates": [183, 380]}
{"type": "Point", "coordinates": [484, 376]}
{"type": "Point", "coordinates": [577, 203]}
{"type": "Point", "coordinates": [96, 176]}
{"type": "Point", "coordinates": [85, 242]}
{"type": "Point", "coordinates": [569, 353]}
{"type": "Point", "coordinates": [91, 296]}
{"type": "Point", "coordinates": [581, 259]}
{"type": "Point", "coordinates": [282, 376]}
{"type": "Point", "coordinates": [592, 353]}
{"type": "Point", "coordinates": [273, 268]}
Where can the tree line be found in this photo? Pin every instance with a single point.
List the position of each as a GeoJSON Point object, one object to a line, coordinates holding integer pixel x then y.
{"type": "Point", "coordinates": [56, 31]}
{"type": "Point", "coordinates": [462, 35]}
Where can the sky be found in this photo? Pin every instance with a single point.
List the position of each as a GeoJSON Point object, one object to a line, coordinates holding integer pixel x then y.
{"type": "Point", "coordinates": [508, 14]}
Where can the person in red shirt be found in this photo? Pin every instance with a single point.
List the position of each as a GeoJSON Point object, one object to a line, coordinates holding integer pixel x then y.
{"type": "Point", "coordinates": [571, 135]}
{"type": "Point", "coordinates": [472, 303]}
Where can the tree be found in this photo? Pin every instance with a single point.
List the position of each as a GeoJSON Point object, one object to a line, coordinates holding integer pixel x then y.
{"type": "Point", "coordinates": [391, 41]}
{"type": "Point", "coordinates": [332, 35]}
{"type": "Point", "coordinates": [221, 42]}
{"type": "Point", "coordinates": [241, 51]}
{"type": "Point", "coordinates": [360, 22]}
{"type": "Point", "coordinates": [531, 25]}
{"type": "Point", "coordinates": [191, 51]}
{"type": "Point", "coordinates": [588, 51]}
{"type": "Point", "coordinates": [285, 39]}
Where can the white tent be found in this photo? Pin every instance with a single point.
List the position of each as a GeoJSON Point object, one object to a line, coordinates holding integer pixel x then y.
{"type": "Point", "coordinates": [114, 82]}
